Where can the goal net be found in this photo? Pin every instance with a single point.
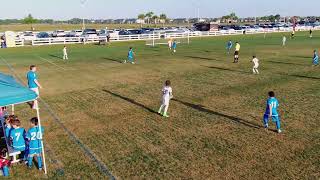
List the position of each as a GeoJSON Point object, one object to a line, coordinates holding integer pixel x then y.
{"type": "Point", "coordinates": [166, 38]}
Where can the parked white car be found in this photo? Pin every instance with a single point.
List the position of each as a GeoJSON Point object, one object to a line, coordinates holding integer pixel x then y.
{"type": "Point", "coordinates": [77, 33]}
{"type": "Point", "coordinates": [28, 36]}
{"type": "Point", "coordinates": [58, 33]}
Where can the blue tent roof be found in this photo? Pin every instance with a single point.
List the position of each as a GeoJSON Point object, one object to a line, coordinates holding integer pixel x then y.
{"type": "Point", "coordinates": [12, 92]}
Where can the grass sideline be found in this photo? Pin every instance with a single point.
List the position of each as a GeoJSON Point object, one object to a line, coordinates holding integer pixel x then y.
{"type": "Point", "coordinates": [215, 126]}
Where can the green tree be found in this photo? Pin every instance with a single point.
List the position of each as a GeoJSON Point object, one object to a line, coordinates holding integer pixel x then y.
{"type": "Point", "coordinates": [141, 17]}
{"type": "Point", "coordinates": [149, 16]}
{"type": "Point", "coordinates": [155, 19]}
{"type": "Point", "coordinates": [30, 20]}
{"type": "Point", "coordinates": [163, 18]}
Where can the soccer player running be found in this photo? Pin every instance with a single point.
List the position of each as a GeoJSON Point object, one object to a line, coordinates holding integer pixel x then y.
{"type": "Point", "coordinates": [292, 34]}
{"type": "Point", "coordinates": [65, 53]}
{"type": "Point", "coordinates": [236, 53]}
{"type": "Point", "coordinates": [174, 46]}
{"type": "Point", "coordinates": [310, 33]}
{"type": "Point", "coordinates": [255, 61]}
{"type": "Point", "coordinates": [272, 112]}
{"type": "Point", "coordinates": [166, 96]}
{"type": "Point", "coordinates": [33, 83]}
{"type": "Point", "coordinates": [131, 55]}
{"type": "Point", "coordinates": [315, 58]}
{"type": "Point", "coordinates": [229, 46]}
{"type": "Point", "coordinates": [284, 40]}
{"type": "Point", "coordinates": [170, 44]}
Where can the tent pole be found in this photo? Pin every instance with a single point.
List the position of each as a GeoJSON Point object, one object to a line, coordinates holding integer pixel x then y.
{"type": "Point", "coordinates": [42, 146]}
{"type": "Point", "coordinates": [12, 109]}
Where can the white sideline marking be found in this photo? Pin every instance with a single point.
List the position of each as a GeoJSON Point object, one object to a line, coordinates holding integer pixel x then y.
{"type": "Point", "coordinates": [44, 59]}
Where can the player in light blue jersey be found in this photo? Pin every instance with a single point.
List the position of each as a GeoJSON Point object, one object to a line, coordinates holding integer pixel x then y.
{"type": "Point", "coordinates": [17, 137]}
{"type": "Point", "coordinates": [34, 137]}
{"type": "Point", "coordinates": [174, 46]}
{"type": "Point", "coordinates": [229, 46]}
{"type": "Point", "coordinates": [272, 111]}
{"type": "Point", "coordinates": [130, 56]}
{"type": "Point", "coordinates": [315, 58]}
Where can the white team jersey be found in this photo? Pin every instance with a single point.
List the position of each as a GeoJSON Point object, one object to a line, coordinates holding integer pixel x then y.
{"type": "Point", "coordinates": [166, 91]}
{"type": "Point", "coordinates": [255, 62]}
{"type": "Point", "coordinates": [64, 50]}
{"type": "Point", "coordinates": [284, 39]}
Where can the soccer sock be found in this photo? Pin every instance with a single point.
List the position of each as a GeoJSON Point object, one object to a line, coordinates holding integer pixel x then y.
{"type": "Point", "coordinates": [257, 71]}
{"type": "Point", "coordinates": [39, 161]}
{"type": "Point", "coordinates": [160, 109]}
{"type": "Point", "coordinates": [165, 110]}
{"type": "Point", "coordinates": [278, 125]}
{"type": "Point", "coordinates": [30, 161]}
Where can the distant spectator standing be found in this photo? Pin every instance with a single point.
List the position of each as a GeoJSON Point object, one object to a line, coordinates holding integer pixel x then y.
{"type": "Point", "coordinates": [310, 33]}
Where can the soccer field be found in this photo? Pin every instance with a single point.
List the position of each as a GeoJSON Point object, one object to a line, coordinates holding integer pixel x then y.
{"type": "Point", "coordinates": [215, 129]}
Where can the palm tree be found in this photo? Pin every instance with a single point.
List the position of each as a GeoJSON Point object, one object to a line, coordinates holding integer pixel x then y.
{"type": "Point", "coordinates": [155, 19]}
{"type": "Point", "coordinates": [149, 16]}
{"type": "Point", "coordinates": [163, 18]}
{"type": "Point", "coordinates": [141, 17]}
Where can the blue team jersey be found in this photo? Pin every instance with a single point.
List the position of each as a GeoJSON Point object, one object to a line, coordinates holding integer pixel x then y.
{"type": "Point", "coordinates": [315, 58]}
{"type": "Point", "coordinates": [17, 136]}
{"type": "Point", "coordinates": [7, 130]}
{"type": "Point", "coordinates": [130, 54]}
{"type": "Point", "coordinates": [273, 102]}
{"type": "Point", "coordinates": [31, 76]}
{"type": "Point", "coordinates": [35, 137]}
{"type": "Point", "coordinates": [229, 45]}
{"type": "Point", "coordinates": [174, 45]}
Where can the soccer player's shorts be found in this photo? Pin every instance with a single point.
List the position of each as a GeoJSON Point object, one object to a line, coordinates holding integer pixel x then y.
{"type": "Point", "coordinates": [165, 100]}
{"type": "Point", "coordinates": [256, 66]}
{"type": "Point", "coordinates": [36, 90]}
{"type": "Point", "coordinates": [236, 53]}
{"type": "Point", "coordinates": [33, 152]}
{"type": "Point", "coordinates": [130, 59]}
{"type": "Point", "coordinates": [274, 118]}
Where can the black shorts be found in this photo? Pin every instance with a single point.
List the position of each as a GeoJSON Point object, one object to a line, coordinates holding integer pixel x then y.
{"type": "Point", "coordinates": [236, 53]}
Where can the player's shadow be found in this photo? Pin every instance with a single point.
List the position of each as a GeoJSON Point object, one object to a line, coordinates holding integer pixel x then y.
{"type": "Point", "coordinates": [131, 101]}
{"type": "Point", "coordinates": [55, 56]}
{"type": "Point", "coordinates": [113, 60]}
{"type": "Point", "coordinates": [225, 69]}
{"type": "Point", "coordinates": [286, 63]}
{"type": "Point", "coordinates": [202, 58]}
{"type": "Point", "coordinates": [232, 118]}
{"type": "Point", "coordinates": [305, 77]}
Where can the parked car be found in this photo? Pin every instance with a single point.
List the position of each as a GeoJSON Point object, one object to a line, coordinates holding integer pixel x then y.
{"type": "Point", "coordinates": [89, 33]}
{"type": "Point", "coordinates": [76, 33]}
{"type": "Point", "coordinates": [28, 36]}
{"type": "Point", "coordinates": [58, 33]}
{"type": "Point", "coordinates": [135, 31]}
{"type": "Point", "coordinates": [124, 32]}
{"type": "Point", "coordinates": [103, 33]}
{"type": "Point", "coordinates": [43, 35]}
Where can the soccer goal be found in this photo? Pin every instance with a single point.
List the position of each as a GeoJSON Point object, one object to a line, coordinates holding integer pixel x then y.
{"type": "Point", "coordinates": [166, 38]}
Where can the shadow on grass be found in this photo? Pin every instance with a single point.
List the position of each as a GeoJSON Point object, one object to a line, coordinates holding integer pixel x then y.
{"type": "Point", "coordinates": [305, 77]}
{"type": "Point", "coordinates": [232, 118]}
{"type": "Point", "coordinates": [55, 56]}
{"type": "Point", "coordinates": [226, 69]}
{"type": "Point", "coordinates": [302, 57]}
{"type": "Point", "coordinates": [114, 60]}
{"type": "Point", "coordinates": [131, 101]}
{"type": "Point", "coordinates": [286, 63]}
{"type": "Point", "coordinates": [202, 58]}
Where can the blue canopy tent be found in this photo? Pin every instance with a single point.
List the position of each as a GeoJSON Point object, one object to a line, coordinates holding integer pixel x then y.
{"type": "Point", "coordinates": [13, 93]}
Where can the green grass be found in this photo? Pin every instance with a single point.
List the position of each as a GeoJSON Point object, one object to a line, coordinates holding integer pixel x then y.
{"type": "Point", "coordinates": [215, 129]}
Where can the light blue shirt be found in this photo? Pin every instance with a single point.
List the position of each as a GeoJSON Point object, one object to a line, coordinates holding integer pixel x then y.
{"type": "Point", "coordinates": [273, 102]}
{"type": "Point", "coordinates": [32, 76]}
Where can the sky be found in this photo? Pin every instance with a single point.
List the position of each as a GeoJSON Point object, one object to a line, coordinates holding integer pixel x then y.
{"type": "Point", "coordinates": [111, 9]}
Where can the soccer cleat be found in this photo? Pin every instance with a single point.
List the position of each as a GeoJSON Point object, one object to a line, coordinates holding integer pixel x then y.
{"type": "Point", "coordinates": [165, 115]}
{"type": "Point", "coordinates": [266, 126]}
{"type": "Point", "coordinates": [279, 131]}
{"type": "Point", "coordinates": [132, 63]}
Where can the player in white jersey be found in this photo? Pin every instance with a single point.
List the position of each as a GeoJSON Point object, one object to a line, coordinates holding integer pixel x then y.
{"type": "Point", "coordinates": [284, 40]}
{"type": "Point", "coordinates": [170, 44]}
{"type": "Point", "coordinates": [166, 96]}
{"type": "Point", "coordinates": [255, 61]}
{"type": "Point", "coordinates": [65, 54]}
